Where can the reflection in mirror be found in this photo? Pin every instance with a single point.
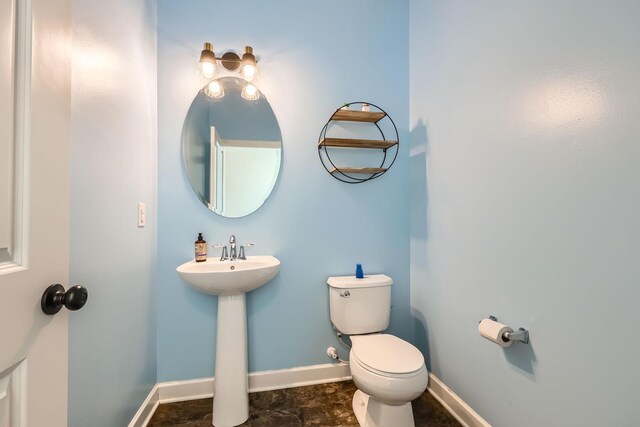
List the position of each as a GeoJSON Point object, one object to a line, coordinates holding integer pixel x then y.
{"type": "Point", "coordinates": [231, 148]}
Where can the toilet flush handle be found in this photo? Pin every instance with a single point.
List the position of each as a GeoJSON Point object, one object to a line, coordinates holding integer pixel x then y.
{"type": "Point", "coordinates": [345, 294]}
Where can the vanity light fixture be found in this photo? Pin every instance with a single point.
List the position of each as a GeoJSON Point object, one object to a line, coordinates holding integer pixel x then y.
{"type": "Point", "coordinates": [247, 66]}
{"type": "Point", "coordinates": [207, 64]}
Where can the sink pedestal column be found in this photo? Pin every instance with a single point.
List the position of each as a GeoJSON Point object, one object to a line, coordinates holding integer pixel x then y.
{"type": "Point", "coordinates": [231, 385]}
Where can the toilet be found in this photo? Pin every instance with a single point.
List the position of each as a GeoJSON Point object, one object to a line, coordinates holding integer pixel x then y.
{"type": "Point", "coordinates": [388, 371]}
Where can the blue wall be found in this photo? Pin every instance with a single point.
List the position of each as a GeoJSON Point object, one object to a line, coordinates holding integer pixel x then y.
{"type": "Point", "coordinates": [525, 193]}
{"type": "Point", "coordinates": [313, 57]}
{"type": "Point", "coordinates": [524, 190]}
{"type": "Point", "coordinates": [112, 340]}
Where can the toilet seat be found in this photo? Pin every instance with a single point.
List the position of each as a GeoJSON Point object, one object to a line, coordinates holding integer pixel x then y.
{"type": "Point", "coordinates": [387, 355]}
{"type": "Point", "coordinates": [391, 389]}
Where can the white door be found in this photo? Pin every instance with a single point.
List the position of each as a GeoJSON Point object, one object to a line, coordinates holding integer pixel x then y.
{"type": "Point", "coordinates": [35, 38]}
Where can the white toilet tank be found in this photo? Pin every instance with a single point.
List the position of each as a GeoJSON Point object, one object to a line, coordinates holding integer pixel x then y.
{"type": "Point", "coordinates": [360, 306]}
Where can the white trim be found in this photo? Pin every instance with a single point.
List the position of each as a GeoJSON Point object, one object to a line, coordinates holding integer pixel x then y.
{"type": "Point", "coordinates": [20, 390]}
{"type": "Point", "coordinates": [178, 391]}
{"type": "Point", "coordinates": [22, 197]}
{"type": "Point", "coordinates": [146, 411]}
{"type": "Point", "coordinates": [462, 412]}
{"type": "Point", "coordinates": [13, 384]}
{"type": "Point", "coordinates": [298, 377]}
{"type": "Point", "coordinates": [248, 143]}
{"type": "Point", "coordinates": [23, 21]}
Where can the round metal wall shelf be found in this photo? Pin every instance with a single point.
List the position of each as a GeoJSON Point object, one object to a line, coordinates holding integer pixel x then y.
{"type": "Point", "coordinates": [374, 115]}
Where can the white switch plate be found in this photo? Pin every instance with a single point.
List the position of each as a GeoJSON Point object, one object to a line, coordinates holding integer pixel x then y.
{"type": "Point", "coordinates": [142, 214]}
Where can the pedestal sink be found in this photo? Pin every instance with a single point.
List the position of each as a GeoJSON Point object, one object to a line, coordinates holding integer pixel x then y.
{"type": "Point", "coordinates": [230, 280]}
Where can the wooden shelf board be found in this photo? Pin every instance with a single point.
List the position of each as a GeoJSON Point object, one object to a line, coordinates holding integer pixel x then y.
{"type": "Point", "coordinates": [358, 170]}
{"type": "Point", "coordinates": [358, 116]}
{"type": "Point", "coordinates": [356, 143]}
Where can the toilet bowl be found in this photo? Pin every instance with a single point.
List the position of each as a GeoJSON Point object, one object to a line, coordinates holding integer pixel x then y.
{"type": "Point", "coordinates": [389, 374]}
{"type": "Point", "coordinates": [388, 371]}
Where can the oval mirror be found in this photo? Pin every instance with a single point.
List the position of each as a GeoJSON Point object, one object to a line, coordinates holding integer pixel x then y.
{"type": "Point", "coordinates": [231, 147]}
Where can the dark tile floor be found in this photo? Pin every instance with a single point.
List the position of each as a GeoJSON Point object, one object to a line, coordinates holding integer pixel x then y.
{"type": "Point", "coordinates": [327, 405]}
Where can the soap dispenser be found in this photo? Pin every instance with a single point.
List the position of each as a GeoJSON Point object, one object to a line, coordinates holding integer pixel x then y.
{"type": "Point", "coordinates": [201, 249]}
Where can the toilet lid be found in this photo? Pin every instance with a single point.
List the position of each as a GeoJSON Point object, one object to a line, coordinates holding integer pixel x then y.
{"type": "Point", "coordinates": [387, 353]}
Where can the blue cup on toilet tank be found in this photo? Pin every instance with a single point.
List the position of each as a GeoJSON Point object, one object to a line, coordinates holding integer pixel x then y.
{"type": "Point", "coordinates": [359, 272]}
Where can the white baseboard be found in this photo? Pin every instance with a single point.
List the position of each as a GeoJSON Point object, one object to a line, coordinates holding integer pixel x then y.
{"type": "Point", "coordinates": [456, 406]}
{"type": "Point", "coordinates": [146, 411]}
{"type": "Point", "coordinates": [298, 377]}
{"type": "Point", "coordinates": [178, 391]}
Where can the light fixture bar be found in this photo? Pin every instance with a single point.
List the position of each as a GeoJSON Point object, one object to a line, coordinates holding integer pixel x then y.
{"type": "Point", "coordinates": [247, 65]}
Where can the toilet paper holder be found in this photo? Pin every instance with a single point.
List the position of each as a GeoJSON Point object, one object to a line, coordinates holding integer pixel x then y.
{"type": "Point", "coordinates": [521, 334]}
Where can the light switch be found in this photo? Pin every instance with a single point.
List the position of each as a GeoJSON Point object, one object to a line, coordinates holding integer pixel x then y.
{"type": "Point", "coordinates": [142, 214]}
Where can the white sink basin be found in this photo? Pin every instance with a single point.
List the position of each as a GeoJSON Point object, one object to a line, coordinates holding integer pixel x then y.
{"type": "Point", "coordinates": [229, 277]}
{"type": "Point", "coordinates": [230, 280]}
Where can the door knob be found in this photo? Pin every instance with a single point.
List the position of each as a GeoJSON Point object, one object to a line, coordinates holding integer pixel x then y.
{"type": "Point", "coordinates": [54, 297]}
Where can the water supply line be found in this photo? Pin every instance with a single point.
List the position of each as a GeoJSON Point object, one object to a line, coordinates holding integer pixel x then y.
{"type": "Point", "coordinates": [333, 353]}
{"type": "Point", "coordinates": [341, 340]}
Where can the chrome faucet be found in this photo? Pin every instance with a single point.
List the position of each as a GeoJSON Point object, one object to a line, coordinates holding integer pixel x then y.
{"type": "Point", "coordinates": [232, 248]}
{"type": "Point", "coordinates": [232, 254]}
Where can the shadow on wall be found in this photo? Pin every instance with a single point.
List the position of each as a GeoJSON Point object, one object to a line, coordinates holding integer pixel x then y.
{"type": "Point", "coordinates": [522, 357]}
{"type": "Point", "coordinates": [418, 229]}
{"type": "Point", "coordinates": [418, 184]}
{"type": "Point", "coordinates": [421, 336]}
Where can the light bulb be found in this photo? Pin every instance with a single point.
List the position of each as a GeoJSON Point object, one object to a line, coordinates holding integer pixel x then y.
{"type": "Point", "coordinates": [250, 92]}
{"type": "Point", "coordinates": [249, 64]}
{"type": "Point", "coordinates": [214, 89]}
{"type": "Point", "coordinates": [207, 63]}
{"type": "Point", "coordinates": [207, 69]}
{"type": "Point", "coordinates": [248, 71]}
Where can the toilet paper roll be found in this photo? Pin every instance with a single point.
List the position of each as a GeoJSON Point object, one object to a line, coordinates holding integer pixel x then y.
{"type": "Point", "coordinates": [494, 331]}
